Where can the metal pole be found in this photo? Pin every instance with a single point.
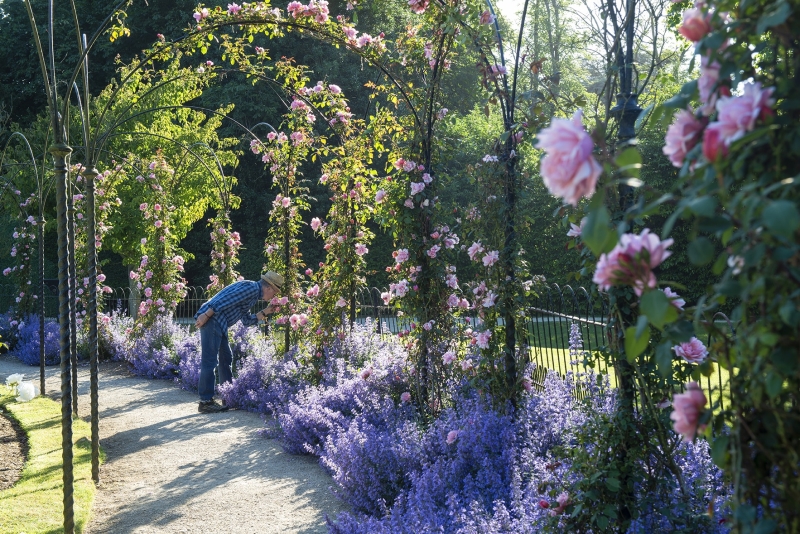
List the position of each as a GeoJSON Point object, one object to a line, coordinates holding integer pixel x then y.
{"type": "Point", "coordinates": [60, 154]}
{"type": "Point", "coordinates": [40, 237]}
{"type": "Point", "coordinates": [73, 289]}
{"type": "Point", "coordinates": [91, 315]}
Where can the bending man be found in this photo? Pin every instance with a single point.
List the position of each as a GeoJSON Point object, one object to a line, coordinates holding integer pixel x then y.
{"type": "Point", "coordinates": [215, 317]}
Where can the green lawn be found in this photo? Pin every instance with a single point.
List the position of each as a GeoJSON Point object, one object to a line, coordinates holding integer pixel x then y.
{"type": "Point", "coordinates": [35, 503]}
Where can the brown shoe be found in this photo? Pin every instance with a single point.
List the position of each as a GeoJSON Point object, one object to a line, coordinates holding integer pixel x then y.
{"type": "Point", "coordinates": [211, 406]}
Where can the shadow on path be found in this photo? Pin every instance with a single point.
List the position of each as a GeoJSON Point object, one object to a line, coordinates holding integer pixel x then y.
{"type": "Point", "coordinates": [171, 469]}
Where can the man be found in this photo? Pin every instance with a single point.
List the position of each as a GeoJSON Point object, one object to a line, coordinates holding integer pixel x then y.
{"type": "Point", "coordinates": [215, 317]}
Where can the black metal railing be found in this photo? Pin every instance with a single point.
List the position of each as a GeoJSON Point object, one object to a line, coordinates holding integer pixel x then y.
{"type": "Point", "coordinates": [549, 319]}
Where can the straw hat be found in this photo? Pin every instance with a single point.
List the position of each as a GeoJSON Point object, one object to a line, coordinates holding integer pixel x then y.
{"type": "Point", "coordinates": [273, 279]}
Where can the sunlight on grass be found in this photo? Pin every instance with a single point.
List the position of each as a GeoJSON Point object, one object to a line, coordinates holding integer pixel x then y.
{"type": "Point", "coordinates": [35, 502]}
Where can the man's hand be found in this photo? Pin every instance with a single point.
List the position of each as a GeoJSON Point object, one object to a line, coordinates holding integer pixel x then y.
{"type": "Point", "coordinates": [263, 313]}
{"type": "Point", "coordinates": [202, 319]}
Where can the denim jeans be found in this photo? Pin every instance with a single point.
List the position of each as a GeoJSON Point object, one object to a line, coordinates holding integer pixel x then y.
{"type": "Point", "coordinates": [214, 350]}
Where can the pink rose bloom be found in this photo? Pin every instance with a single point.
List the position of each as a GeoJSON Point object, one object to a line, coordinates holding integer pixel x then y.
{"type": "Point", "coordinates": [417, 187]}
{"type": "Point", "coordinates": [491, 258]}
{"type": "Point", "coordinates": [452, 436]}
{"type": "Point", "coordinates": [483, 339]}
{"type": "Point", "coordinates": [466, 365]}
{"type": "Point", "coordinates": [405, 397]}
{"type": "Point", "coordinates": [286, 202]}
{"type": "Point", "coordinates": [632, 261]}
{"type": "Point", "coordinates": [695, 25]}
{"type": "Point", "coordinates": [686, 410]}
{"type": "Point", "coordinates": [737, 115]}
{"type": "Point", "coordinates": [713, 144]}
{"type": "Point", "coordinates": [449, 357]}
{"type": "Point", "coordinates": [527, 384]}
{"type": "Point", "coordinates": [463, 303]}
{"type": "Point", "coordinates": [693, 351]}
{"type": "Point", "coordinates": [400, 255]}
{"type": "Point", "coordinates": [234, 8]}
{"type": "Point", "coordinates": [575, 230]}
{"type": "Point", "coordinates": [361, 249]}
{"type": "Point", "coordinates": [379, 196]}
{"type": "Point", "coordinates": [386, 297]}
{"type": "Point", "coordinates": [157, 207]}
{"type": "Point", "coordinates": [341, 303]}
{"type": "Point", "coordinates": [158, 224]}
{"type": "Point", "coordinates": [674, 298]}
{"type": "Point", "coordinates": [315, 223]}
{"type": "Point", "coordinates": [335, 89]}
{"type": "Point", "coordinates": [409, 203]}
{"type": "Point", "coordinates": [366, 373]}
{"type": "Point", "coordinates": [418, 6]}
{"type": "Point", "coordinates": [682, 136]}
{"type": "Point", "coordinates": [569, 169]}
{"type": "Point", "coordinates": [313, 291]}
{"type": "Point", "coordinates": [143, 206]}
{"type": "Point", "coordinates": [433, 251]}
{"type": "Point", "coordinates": [706, 83]}
{"type": "Point", "coordinates": [309, 272]}
{"type": "Point", "coordinates": [452, 300]}
{"type": "Point", "coordinates": [489, 300]}
{"type": "Point", "coordinates": [475, 249]}
{"type": "Point", "coordinates": [294, 321]}
{"type": "Point", "coordinates": [487, 17]}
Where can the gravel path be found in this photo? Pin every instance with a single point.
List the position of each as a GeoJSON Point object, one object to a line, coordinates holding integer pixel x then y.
{"type": "Point", "coordinates": [171, 469]}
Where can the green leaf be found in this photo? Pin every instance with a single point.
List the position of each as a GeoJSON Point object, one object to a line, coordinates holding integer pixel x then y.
{"type": "Point", "coordinates": [781, 217]}
{"type": "Point", "coordinates": [597, 233]}
{"type": "Point", "coordinates": [719, 451]}
{"type": "Point", "coordinates": [765, 526]}
{"type": "Point", "coordinates": [664, 359]}
{"type": "Point", "coordinates": [680, 332]}
{"type": "Point", "coordinates": [635, 346]}
{"type": "Point", "coordinates": [682, 99]}
{"type": "Point", "coordinates": [629, 161]}
{"type": "Point", "coordinates": [612, 484]}
{"type": "Point", "coordinates": [703, 206]}
{"type": "Point", "coordinates": [784, 360]}
{"type": "Point", "coordinates": [655, 305]}
{"type": "Point", "coordinates": [701, 251]}
{"type": "Point", "coordinates": [774, 384]}
{"type": "Point", "coordinates": [773, 16]}
{"type": "Point", "coordinates": [643, 116]}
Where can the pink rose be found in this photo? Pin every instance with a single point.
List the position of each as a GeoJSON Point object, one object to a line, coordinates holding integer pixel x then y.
{"type": "Point", "coordinates": [379, 196]}
{"type": "Point", "coordinates": [315, 223]}
{"type": "Point", "coordinates": [706, 83]}
{"type": "Point", "coordinates": [366, 373]}
{"type": "Point", "coordinates": [682, 135]}
{"type": "Point", "coordinates": [405, 396]}
{"type": "Point", "coordinates": [713, 143]}
{"type": "Point", "coordinates": [674, 298]}
{"type": "Point", "coordinates": [737, 115]}
{"type": "Point", "coordinates": [449, 357]}
{"type": "Point", "coordinates": [487, 17]}
{"type": "Point", "coordinates": [452, 436]}
{"type": "Point", "coordinates": [695, 25]}
{"type": "Point", "coordinates": [632, 261]}
{"type": "Point", "coordinates": [686, 410]}
{"type": "Point", "coordinates": [575, 230]}
{"type": "Point", "coordinates": [693, 351]}
{"type": "Point", "coordinates": [491, 258]}
{"type": "Point", "coordinates": [474, 250]}
{"type": "Point", "coordinates": [569, 169]}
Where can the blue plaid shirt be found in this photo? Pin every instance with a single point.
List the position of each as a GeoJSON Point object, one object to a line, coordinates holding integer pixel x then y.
{"type": "Point", "coordinates": [233, 304]}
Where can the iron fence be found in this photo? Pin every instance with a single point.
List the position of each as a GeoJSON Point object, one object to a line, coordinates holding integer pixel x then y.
{"type": "Point", "coordinates": [549, 318]}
